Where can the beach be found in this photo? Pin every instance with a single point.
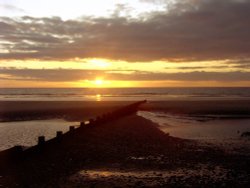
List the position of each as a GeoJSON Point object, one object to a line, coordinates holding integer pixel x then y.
{"type": "Point", "coordinates": [120, 94]}
{"type": "Point", "coordinates": [128, 152]}
{"type": "Point", "coordinates": [80, 110]}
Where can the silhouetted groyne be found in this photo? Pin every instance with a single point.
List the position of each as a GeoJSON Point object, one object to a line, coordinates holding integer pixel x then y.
{"type": "Point", "coordinates": [245, 134]}
{"type": "Point", "coordinates": [17, 152]}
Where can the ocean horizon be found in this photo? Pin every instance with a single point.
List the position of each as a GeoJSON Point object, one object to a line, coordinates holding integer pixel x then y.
{"type": "Point", "coordinates": [124, 94]}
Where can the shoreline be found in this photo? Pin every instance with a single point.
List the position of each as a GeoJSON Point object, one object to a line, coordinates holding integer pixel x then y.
{"type": "Point", "coordinates": [80, 110]}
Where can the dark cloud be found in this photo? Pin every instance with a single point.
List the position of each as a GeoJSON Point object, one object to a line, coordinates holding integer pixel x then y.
{"type": "Point", "coordinates": [190, 30]}
{"type": "Point", "coordinates": [52, 75]}
{"type": "Point", "coordinates": [70, 75]}
{"type": "Point", "coordinates": [243, 64]}
{"type": "Point", "coordinates": [186, 68]}
{"type": "Point", "coordinates": [198, 67]}
{"type": "Point", "coordinates": [189, 76]}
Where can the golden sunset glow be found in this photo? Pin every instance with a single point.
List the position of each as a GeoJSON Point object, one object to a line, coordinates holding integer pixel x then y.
{"type": "Point", "coordinates": [115, 44]}
{"type": "Point", "coordinates": [152, 91]}
{"type": "Point", "coordinates": [99, 63]}
{"type": "Point", "coordinates": [98, 82]}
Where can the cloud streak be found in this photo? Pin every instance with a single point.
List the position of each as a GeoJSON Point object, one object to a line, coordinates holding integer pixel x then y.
{"type": "Point", "coordinates": [72, 75]}
{"type": "Point", "coordinates": [204, 30]}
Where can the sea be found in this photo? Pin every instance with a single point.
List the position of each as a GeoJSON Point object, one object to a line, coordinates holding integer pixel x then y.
{"type": "Point", "coordinates": [224, 132]}
{"type": "Point", "coordinates": [123, 94]}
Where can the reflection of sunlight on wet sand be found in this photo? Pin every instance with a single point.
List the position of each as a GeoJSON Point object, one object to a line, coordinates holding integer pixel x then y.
{"type": "Point", "coordinates": [215, 172]}
{"type": "Point", "coordinates": [149, 178]}
{"type": "Point", "coordinates": [96, 174]}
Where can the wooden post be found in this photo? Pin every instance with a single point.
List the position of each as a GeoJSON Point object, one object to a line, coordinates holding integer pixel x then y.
{"type": "Point", "coordinates": [91, 121]}
{"type": "Point", "coordinates": [41, 140]}
{"type": "Point", "coordinates": [98, 119]}
{"type": "Point", "coordinates": [71, 128]}
{"type": "Point", "coordinates": [59, 133]}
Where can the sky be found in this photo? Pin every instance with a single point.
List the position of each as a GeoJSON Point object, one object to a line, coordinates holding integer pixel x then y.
{"type": "Point", "coordinates": [124, 43]}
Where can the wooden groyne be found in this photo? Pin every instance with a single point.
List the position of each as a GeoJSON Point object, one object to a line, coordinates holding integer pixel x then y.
{"type": "Point", "coordinates": [17, 152]}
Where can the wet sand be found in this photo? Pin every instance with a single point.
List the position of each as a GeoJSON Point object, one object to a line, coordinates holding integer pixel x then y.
{"type": "Point", "coordinates": [127, 152]}
{"type": "Point", "coordinates": [69, 110]}
{"type": "Point", "coordinates": [200, 107]}
{"type": "Point", "coordinates": [81, 110]}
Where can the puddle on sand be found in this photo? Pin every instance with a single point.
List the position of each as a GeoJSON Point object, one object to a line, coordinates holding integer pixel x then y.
{"type": "Point", "coordinates": [25, 133]}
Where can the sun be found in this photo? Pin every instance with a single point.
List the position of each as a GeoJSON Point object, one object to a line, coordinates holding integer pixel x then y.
{"type": "Point", "coordinates": [99, 82]}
